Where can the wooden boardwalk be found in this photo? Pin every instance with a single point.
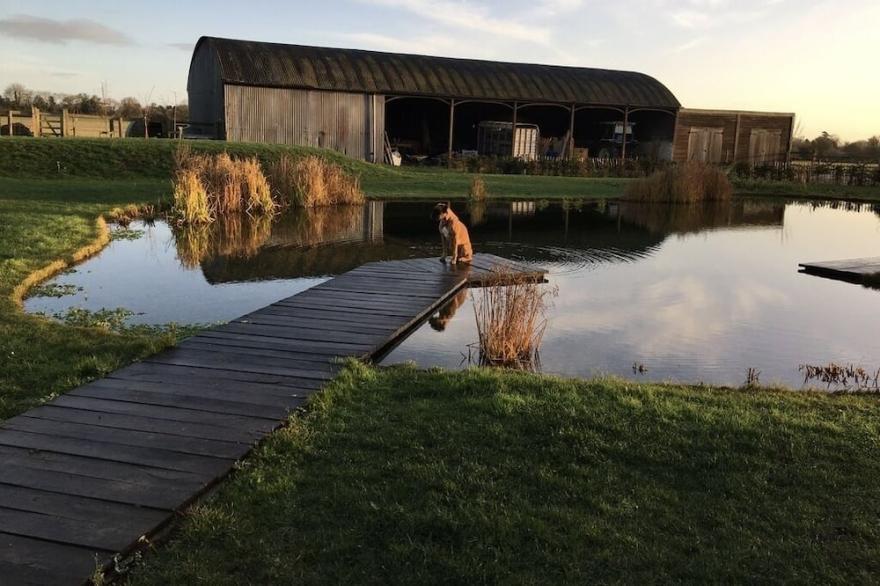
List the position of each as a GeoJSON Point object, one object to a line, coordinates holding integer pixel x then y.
{"type": "Point", "coordinates": [89, 474]}
{"type": "Point", "coordinates": [865, 271]}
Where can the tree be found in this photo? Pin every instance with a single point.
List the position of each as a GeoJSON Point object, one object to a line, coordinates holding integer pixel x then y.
{"type": "Point", "coordinates": [129, 108]}
{"type": "Point", "coordinates": [17, 95]}
{"type": "Point", "coordinates": [825, 144]}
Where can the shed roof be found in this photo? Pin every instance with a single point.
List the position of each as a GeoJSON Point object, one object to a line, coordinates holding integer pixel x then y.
{"type": "Point", "coordinates": [297, 66]}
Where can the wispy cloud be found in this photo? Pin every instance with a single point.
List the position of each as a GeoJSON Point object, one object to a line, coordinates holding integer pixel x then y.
{"type": "Point", "coordinates": [48, 30]}
{"type": "Point", "coordinates": [469, 16]}
{"type": "Point", "coordinates": [181, 46]}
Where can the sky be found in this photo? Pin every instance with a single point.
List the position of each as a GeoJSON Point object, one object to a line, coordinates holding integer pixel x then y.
{"type": "Point", "coordinates": [816, 58]}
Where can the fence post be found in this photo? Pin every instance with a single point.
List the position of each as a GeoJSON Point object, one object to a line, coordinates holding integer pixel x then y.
{"type": "Point", "coordinates": [10, 127]}
{"type": "Point", "coordinates": [36, 123]}
{"type": "Point", "coordinates": [64, 122]}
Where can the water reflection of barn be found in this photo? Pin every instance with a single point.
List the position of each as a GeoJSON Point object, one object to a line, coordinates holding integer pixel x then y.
{"type": "Point", "coordinates": [350, 100]}
{"type": "Point", "coordinates": [332, 241]}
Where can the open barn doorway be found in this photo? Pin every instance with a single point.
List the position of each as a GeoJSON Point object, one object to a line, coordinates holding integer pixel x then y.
{"type": "Point", "coordinates": [418, 128]}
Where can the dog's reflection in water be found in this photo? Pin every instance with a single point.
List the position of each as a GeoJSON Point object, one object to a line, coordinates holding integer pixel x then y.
{"type": "Point", "coordinates": [447, 312]}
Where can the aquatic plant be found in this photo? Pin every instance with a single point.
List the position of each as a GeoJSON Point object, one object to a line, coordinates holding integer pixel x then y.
{"type": "Point", "coordinates": [314, 182]}
{"type": "Point", "coordinates": [511, 320]}
{"type": "Point", "coordinates": [478, 190]}
{"type": "Point", "coordinates": [191, 203]}
{"type": "Point", "coordinates": [256, 192]}
{"type": "Point", "coordinates": [690, 182]}
{"type": "Point", "coordinates": [842, 377]}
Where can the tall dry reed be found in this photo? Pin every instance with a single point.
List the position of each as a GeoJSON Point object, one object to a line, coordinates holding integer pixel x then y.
{"type": "Point", "coordinates": [230, 185]}
{"type": "Point", "coordinates": [190, 198]}
{"type": "Point", "coordinates": [314, 182]}
{"type": "Point", "coordinates": [690, 182]}
{"type": "Point", "coordinates": [511, 320]}
{"type": "Point", "coordinates": [478, 191]}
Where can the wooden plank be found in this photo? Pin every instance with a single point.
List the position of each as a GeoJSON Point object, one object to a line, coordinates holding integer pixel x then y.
{"type": "Point", "coordinates": [167, 496]}
{"type": "Point", "coordinates": [197, 381]}
{"type": "Point", "coordinates": [212, 448]}
{"type": "Point", "coordinates": [302, 334]}
{"type": "Point", "coordinates": [24, 560]}
{"type": "Point", "coordinates": [278, 398]}
{"type": "Point", "coordinates": [150, 456]}
{"type": "Point", "coordinates": [287, 359]}
{"type": "Point", "coordinates": [251, 426]}
{"type": "Point", "coordinates": [355, 350]}
{"type": "Point", "coordinates": [269, 412]}
{"type": "Point", "coordinates": [54, 412]}
{"type": "Point", "coordinates": [163, 372]}
{"type": "Point", "coordinates": [94, 534]}
{"type": "Point", "coordinates": [100, 469]}
{"type": "Point", "coordinates": [288, 368]}
{"type": "Point", "coordinates": [311, 323]}
{"type": "Point", "coordinates": [329, 315]}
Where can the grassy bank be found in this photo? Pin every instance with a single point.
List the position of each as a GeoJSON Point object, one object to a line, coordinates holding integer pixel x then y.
{"type": "Point", "coordinates": [402, 476]}
{"type": "Point", "coordinates": [135, 159]}
{"type": "Point", "coordinates": [45, 223]}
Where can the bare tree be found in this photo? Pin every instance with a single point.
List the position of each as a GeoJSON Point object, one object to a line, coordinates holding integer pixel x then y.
{"type": "Point", "coordinates": [17, 94]}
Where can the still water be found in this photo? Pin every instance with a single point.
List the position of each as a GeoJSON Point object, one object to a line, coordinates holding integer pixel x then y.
{"type": "Point", "coordinates": [693, 294]}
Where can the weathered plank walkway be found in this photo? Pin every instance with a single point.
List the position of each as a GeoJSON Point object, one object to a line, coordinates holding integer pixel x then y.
{"type": "Point", "coordinates": [87, 475]}
{"type": "Point", "coordinates": [865, 271]}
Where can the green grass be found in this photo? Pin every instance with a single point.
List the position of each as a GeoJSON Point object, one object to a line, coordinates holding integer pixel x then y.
{"type": "Point", "coordinates": [811, 191]}
{"type": "Point", "coordinates": [40, 223]}
{"type": "Point", "coordinates": [399, 476]}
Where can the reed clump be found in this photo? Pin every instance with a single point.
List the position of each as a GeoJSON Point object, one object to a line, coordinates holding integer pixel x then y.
{"type": "Point", "coordinates": [478, 191]}
{"type": "Point", "coordinates": [223, 185]}
{"type": "Point", "coordinates": [314, 182]}
{"type": "Point", "coordinates": [190, 198]}
{"type": "Point", "coordinates": [691, 182]}
{"type": "Point", "coordinates": [511, 320]}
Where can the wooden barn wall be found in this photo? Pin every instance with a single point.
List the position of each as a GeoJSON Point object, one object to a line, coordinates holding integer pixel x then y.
{"type": "Point", "coordinates": [748, 121]}
{"type": "Point", "coordinates": [352, 124]}
{"type": "Point", "coordinates": [205, 92]}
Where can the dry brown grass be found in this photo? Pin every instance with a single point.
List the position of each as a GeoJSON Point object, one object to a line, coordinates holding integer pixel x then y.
{"type": "Point", "coordinates": [229, 185]}
{"type": "Point", "coordinates": [313, 182]}
{"type": "Point", "coordinates": [235, 236]}
{"type": "Point", "coordinates": [690, 182]}
{"type": "Point", "coordinates": [478, 191]}
{"type": "Point", "coordinates": [511, 320]}
{"type": "Point", "coordinates": [190, 198]}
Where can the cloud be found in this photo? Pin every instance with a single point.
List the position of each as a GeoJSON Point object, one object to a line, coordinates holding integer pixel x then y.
{"type": "Point", "coordinates": [60, 32]}
{"type": "Point", "coordinates": [181, 46]}
{"type": "Point", "coordinates": [467, 16]}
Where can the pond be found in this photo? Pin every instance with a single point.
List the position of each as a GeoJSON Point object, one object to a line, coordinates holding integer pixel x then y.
{"type": "Point", "coordinates": [690, 294]}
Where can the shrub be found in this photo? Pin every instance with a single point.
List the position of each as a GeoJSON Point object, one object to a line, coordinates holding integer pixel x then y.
{"type": "Point", "coordinates": [687, 183]}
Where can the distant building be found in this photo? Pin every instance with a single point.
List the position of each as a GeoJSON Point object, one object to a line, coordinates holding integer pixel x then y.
{"type": "Point", "coordinates": [362, 102]}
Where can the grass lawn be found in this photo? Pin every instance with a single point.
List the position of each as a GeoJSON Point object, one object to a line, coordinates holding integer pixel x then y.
{"type": "Point", "coordinates": [399, 476]}
{"type": "Point", "coordinates": [42, 222]}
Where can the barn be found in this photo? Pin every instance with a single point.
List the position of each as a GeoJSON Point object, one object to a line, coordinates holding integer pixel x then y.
{"type": "Point", "coordinates": [366, 104]}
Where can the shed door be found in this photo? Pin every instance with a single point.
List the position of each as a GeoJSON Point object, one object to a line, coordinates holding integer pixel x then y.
{"type": "Point", "coordinates": [764, 146]}
{"type": "Point", "coordinates": [705, 145]}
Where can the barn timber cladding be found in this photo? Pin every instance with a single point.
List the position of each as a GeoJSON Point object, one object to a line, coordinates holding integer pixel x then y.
{"type": "Point", "coordinates": [276, 65]}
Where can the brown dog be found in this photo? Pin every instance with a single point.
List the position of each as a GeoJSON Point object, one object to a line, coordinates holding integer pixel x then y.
{"type": "Point", "coordinates": [453, 233]}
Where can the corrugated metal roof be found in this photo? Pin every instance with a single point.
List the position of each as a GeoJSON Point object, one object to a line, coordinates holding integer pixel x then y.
{"type": "Point", "coordinates": [350, 70]}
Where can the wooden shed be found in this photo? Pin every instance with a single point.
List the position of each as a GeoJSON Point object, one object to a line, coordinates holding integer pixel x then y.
{"type": "Point", "coordinates": [725, 136]}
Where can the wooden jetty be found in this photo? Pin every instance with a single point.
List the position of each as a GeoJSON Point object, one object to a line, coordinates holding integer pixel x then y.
{"type": "Point", "coordinates": [864, 271]}
{"type": "Point", "coordinates": [89, 474]}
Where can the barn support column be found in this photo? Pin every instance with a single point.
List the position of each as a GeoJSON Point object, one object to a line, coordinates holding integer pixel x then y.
{"type": "Point", "coordinates": [623, 141]}
{"type": "Point", "coordinates": [451, 125]}
{"type": "Point", "coordinates": [513, 131]}
{"type": "Point", "coordinates": [736, 137]}
{"type": "Point", "coordinates": [571, 138]}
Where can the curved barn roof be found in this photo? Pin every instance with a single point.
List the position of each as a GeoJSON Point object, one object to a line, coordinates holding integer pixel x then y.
{"type": "Point", "coordinates": [296, 66]}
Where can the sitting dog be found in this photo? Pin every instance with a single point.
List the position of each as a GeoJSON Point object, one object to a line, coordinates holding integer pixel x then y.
{"type": "Point", "coordinates": [453, 233]}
